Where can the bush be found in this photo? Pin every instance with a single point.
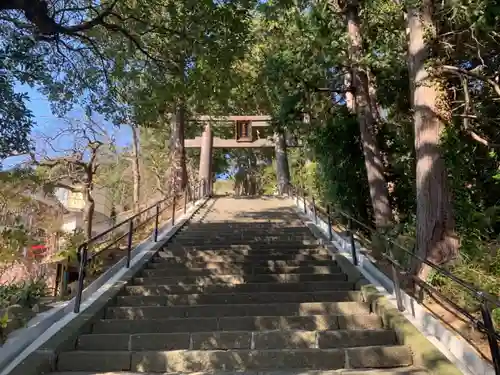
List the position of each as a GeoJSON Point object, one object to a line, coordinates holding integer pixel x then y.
{"type": "Point", "coordinates": [25, 294]}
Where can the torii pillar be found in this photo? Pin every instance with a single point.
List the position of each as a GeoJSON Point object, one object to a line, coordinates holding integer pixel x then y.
{"type": "Point", "coordinates": [205, 172]}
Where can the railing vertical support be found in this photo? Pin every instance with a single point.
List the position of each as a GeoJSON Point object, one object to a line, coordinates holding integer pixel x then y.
{"type": "Point", "coordinates": [395, 277]}
{"type": "Point", "coordinates": [314, 211]}
{"type": "Point", "coordinates": [157, 220]}
{"type": "Point", "coordinates": [82, 250]}
{"type": "Point", "coordinates": [353, 244]}
{"type": "Point", "coordinates": [185, 200]}
{"type": "Point", "coordinates": [328, 214]}
{"type": "Point", "coordinates": [129, 241]}
{"type": "Point", "coordinates": [173, 210]}
{"type": "Point", "coordinates": [490, 332]}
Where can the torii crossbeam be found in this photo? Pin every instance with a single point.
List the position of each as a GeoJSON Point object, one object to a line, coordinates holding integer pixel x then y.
{"type": "Point", "coordinates": [250, 131]}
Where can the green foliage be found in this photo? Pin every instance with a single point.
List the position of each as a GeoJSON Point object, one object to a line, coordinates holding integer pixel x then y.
{"type": "Point", "coordinates": [268, 181]}
{"type": "Point", "coordinates": [341, 175]}
{"type": "Point", "coordinates": [13, 240]}
{"type": "Point", "coordinates": [18, 64]}
{"type": "Point", "coordinates": [25, 294]}
{"type": "Point", "coordinates": [70, 242]}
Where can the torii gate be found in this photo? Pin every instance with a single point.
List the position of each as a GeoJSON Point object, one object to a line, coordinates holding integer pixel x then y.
{"type": "Point", "coordinates": [247, 134]}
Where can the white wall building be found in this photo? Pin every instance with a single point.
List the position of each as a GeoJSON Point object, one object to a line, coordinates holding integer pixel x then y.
{"type": "Point", "coordinates": [75, 205]}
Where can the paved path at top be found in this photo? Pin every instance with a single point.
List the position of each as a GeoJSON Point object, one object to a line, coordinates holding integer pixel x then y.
{"type": "Point", "coordinates": [236, 209]}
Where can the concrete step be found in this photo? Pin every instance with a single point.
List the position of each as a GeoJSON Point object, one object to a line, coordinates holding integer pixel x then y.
{"type": "Point", "coordinates": [204, 230]}
{"type": "Point", "coordinates": [210, 360]}
{"type": "Point", "coordinates": [228, 257]}
{"type": "Point", "coordinates": [234, 269]}
{"type": "Point", "coordinates": [161, 290]}
{"type": "Point", "coordinates": [254, 246]}
{"type": "Point", "coordinates": [246, 234]}
{"type": "Point", "coordinates": [259, 340]}
{"type": "Point", "coordinates": [393, 371]}
{"type": "Point", "coordinates": [270, 264]}
{"type": "Point", "coordinates": [239, 279]}
{"type": "Point", "coordinates": [247, 252]}
{"type": "Point", "coordinates": [246, 323]}
{"type": "Point", "coordinates": [270, 309]}
{"type": "Point", "coordinates": [239, 298]}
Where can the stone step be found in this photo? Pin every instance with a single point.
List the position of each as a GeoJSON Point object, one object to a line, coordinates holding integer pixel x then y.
{"type": "Point", "coordinates": [247, 252]}
{"type": "Point", "coordinates": [270, 309]}
{"type": "Point", "coordinates": [246, 235]}
{"type": "Point", "coordinates": [231, 269]}
{"type": "Point", "coordinates": [239, 298]}
{"type": "Point", "coordinates": [393, 371]}
{"type": "Point", "coordinates": [244, 239]}
{"type": "Point", "coordinates": [228, 257]}
{"type": "Point", "coordinates": [271, 264]}
{"type": "Point", "coordinates": [204, 229]}
{"type": "Point", "coordinates": [160, 290]}
{"type": "Point", "coordinates": [210, 360]}
{"type": "Point", "coordinates": [246, 323]}
{"type": "Point", "coordinates": [259, 340]}
{"type": "Point", "coordinates": [239, 279]}
{"type": "Point", "coordinates": [278, 244]}
{"type": "Point", "coordinates": [292, 246]}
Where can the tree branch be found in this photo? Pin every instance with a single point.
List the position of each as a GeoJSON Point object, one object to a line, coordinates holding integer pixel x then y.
{"type": "Point", "coordinates": [37, 12]}
{"type": "Point", "coordinates": [459, 71]}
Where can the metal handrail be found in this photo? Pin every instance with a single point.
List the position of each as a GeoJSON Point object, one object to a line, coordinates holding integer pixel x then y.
{"type": "Point", "coordinates": [484, 298]}
{"type": "Point", "coordinates": [85, 258]}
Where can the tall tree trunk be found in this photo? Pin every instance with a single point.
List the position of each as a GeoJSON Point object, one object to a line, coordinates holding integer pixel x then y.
{"type": "Point", "coordinates": [374, 167]}
{"type": "Point", "coordinates": [349, 92]}
{"type": "Point", "coordinates": [88, 212]}
{"type": "Point", "coordinates": [177, 166]}
{"type": "Point", "coordinates": [436, 239]}
{"type": "Point", "coordinates": [282, 167]}
{"type": "Point", "coordinates": [136, 172]}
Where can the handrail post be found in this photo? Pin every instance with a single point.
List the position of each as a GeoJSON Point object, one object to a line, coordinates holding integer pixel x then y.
{"type": "Point", "coordinates": [328, 214]}
{"type": "Point", "coordinates": [314, 210]}
{"type": "Point", "coordinates": [490, 332]}
{"type": "Point", "coordinates": [82, 250]}
{"type": "Point", "coordinates": [353, 244]}
{"type": "Point", "coordinates": [157, 219]}
{"type": "Point", "coordinates": [395, 277]}
{"type": "Point", "coordinates": [173, 209]}
{"type": "Point", "coordinates": [185, 199]}
{"type": "Point", "coordinates": [129, 241]}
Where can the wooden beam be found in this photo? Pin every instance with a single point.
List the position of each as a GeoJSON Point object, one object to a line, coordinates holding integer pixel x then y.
{"type": "Point", "coordinates": [232, 143]}
{"type": "Point", "coordinates": [232, 118]}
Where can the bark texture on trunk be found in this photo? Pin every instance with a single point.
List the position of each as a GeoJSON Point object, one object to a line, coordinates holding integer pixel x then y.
{"type": "Point", "coordinates": [436, 238]}
{"type": "Point", "coordinates": [88, 212]}
{"type": "Point", "coordinates": [349, 96]}
{"type": "Point", "coordinates": [177, 167]}
{"type": "Point", "coordinates": [375, 169]}
{"type": "Point", "coordinates": [282, 167]}
{"type": "Point", "coordinates": [136, 172]}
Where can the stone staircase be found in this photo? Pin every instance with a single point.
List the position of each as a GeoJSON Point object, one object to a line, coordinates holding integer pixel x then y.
{"type": "Point", "coordinates": [247, 294]}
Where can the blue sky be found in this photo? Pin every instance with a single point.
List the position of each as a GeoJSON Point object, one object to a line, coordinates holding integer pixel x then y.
{"type": "Point", "coordinates": [48, 124]}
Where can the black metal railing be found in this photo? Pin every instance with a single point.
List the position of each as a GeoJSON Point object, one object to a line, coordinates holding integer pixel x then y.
{"type": "Point", "coordinates": [89, 251]}
{"type": "Point", "coordinates": [486, 301]}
